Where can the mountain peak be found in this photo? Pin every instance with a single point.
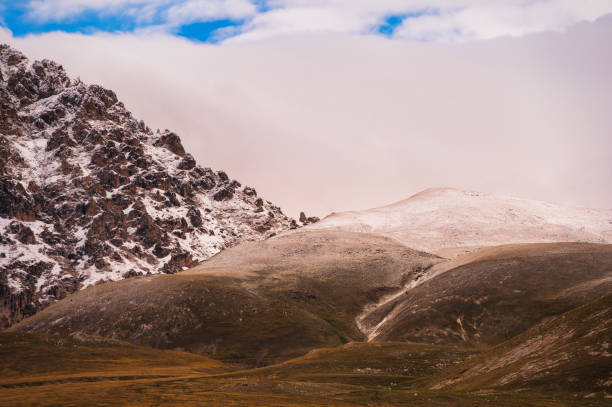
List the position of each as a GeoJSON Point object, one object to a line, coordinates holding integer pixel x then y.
{"type": "Point", "coordinates": [436, 192]}
{"type": "Point", "coordinates": [438, 219]}
{"type": "Point", "coordinates": [89, 194]}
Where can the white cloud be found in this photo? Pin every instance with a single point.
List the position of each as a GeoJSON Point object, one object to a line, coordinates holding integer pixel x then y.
{"type": "Point", "coordinates": [287, 21]}
{"type": "Point", "coordinates": [174, 12]}
{"type": "Point", "coordinates": [56, 10]}
{"type": "Point", "coordinates": [198, 10]}
{"type": "Point", "coordinates": [445, 20]}
{"type": "Point", "coordinates": [333, 122]}
{"type": "Point", "coordinates": [502, 18]}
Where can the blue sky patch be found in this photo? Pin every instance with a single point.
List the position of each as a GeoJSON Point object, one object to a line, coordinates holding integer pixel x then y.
{"type": "Point", "coordinates": [390, 24]}
{"type": "Point", "coordinates": [15, 18]}
{"type": "Point", "coordinates": [262, 5]}
{"type": "Point", "coordinates": [207, 31]}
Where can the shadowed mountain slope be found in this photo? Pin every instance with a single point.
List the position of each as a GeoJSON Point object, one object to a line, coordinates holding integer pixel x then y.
{"type": "Point", "coordinates": [499, 293]}
{"type": "Point", "coordinates": [570, 352]}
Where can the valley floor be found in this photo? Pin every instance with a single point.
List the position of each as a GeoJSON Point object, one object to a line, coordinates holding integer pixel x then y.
{"type": "Point", "coordinates": [49, 370]}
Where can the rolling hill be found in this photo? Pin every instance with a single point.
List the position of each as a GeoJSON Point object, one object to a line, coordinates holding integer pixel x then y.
{"type": "Point", "coordinates": [256, 303]}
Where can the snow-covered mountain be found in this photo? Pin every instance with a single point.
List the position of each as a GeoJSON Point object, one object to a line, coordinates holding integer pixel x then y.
{"type": "Point", "coordinates": [449, 221]}
{"type": "Point", "coordinates": [88, 193]}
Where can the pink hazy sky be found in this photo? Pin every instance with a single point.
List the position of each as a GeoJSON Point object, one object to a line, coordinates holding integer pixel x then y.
{"type": "Point", "coordinates": [329, 122]}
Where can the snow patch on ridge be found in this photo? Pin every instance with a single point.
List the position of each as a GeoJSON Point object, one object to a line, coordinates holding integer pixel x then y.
{"type": "Point", "coordinates": [445, 218]}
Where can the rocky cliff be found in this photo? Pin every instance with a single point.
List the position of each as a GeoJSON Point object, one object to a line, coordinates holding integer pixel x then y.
{"type": "Point", "coordinates": [89, 194]}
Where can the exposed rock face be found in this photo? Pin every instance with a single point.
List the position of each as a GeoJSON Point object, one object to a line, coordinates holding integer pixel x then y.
{"type": "Point", "coordinates": [88, 193]}
{"type": "Point", "coordinates": [307, 220]}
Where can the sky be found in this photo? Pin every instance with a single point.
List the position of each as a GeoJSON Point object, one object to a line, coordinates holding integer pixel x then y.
{"type": "Point", "coordinates": [348, 104]}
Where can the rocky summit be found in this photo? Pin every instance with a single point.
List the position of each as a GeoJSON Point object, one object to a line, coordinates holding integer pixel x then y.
{"type": "Point", "coordinates": [89, 194]}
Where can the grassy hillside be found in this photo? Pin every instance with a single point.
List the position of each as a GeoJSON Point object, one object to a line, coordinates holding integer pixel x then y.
{"type": "Point", "coordinates": [256, 304]}
{"type": "Point", "coordinates": [571, 352]}
{"type": "Point", "coordinates": [498, 294]}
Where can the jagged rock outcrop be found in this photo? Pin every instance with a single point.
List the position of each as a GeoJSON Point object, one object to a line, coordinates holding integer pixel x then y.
{"type": "Point", "coordinates": [307, 220]}
{"type": "Point", "coordinates": [88, 193]}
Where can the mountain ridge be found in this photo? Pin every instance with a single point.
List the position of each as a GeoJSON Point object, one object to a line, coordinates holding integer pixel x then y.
{"type": "Point", "coordinates": [447, 221]}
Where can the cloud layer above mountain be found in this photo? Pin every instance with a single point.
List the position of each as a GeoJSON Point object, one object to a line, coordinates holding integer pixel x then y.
{"type": "Point", "coordinates": [333, 121]}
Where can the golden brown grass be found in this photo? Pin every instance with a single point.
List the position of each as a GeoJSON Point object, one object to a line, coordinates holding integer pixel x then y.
{"type": "Point", "coordinates": [43, 370]}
